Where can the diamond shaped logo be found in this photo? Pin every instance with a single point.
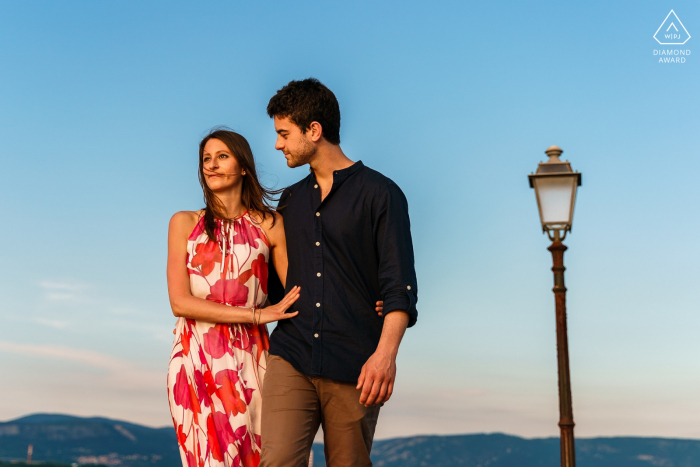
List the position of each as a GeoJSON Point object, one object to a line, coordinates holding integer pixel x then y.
{"type": "Point", "coordinates": [671, 31]}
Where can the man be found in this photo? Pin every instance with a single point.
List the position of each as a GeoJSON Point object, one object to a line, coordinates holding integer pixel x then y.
{"type": "Point", "coordinates": [349, 245]}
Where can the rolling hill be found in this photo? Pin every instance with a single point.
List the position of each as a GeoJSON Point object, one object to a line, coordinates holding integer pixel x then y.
{"type": "Point", "coordinates": [67, 439]}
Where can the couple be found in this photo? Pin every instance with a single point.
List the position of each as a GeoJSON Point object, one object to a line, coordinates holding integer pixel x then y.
{"type": "Point", "coordinates": [340, 244]}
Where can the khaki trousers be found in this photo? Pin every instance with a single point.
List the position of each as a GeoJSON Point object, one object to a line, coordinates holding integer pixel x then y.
{"type": "Point", "coordinates": [294, 405]}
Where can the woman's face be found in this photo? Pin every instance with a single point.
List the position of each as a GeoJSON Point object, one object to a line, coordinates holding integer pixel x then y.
{"type": "Point", "coordinates": [221, 169]}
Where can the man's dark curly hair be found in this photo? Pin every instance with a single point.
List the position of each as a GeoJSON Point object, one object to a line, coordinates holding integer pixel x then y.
{"type": "Point", "coordinates": [307, 101]}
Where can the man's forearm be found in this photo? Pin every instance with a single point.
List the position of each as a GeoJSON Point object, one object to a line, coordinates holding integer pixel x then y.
{"type": "Point", "coordinates": [395, 324]}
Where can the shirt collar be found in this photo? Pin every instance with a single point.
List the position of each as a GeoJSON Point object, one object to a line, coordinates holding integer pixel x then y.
{"type": "Point", "coordinates": [341, 175]}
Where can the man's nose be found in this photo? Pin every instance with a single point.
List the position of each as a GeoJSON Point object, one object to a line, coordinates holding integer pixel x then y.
{"type": "Point", "coordinates": [279, 144]}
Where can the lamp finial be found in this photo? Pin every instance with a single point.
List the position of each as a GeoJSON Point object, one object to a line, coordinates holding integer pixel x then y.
{"type": "Point", "coordinates": [553, 152]}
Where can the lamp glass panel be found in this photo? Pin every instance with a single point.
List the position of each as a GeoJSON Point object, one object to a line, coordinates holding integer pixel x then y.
{"type": "Point", "coordinates": [555, 196]}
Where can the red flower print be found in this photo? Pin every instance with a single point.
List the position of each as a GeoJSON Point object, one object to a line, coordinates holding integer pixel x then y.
{"type": "Point", "coordinates": [228, 291]}
{"type": "Point", "coordinates": [209, 383]}
{"type": "Point", "coordinates": [205, 256]}
{"type": "Point", "coordinates": [216, 343]}
{"type": "Point", "coordinates": [244, 276]}
{"type": "Point", "coordinates": [213, 439]}
{"type": "Point", "coordinates": [185, 336]}
{"type": "Point", "coordinates": [229, 395]}
{"type": "Point", "coordinates": [259, 268]}
{"type": "Point", "coordinates": [241, 339]}
{"type": "Point", "coordinates": [259, 339]}
{"type": "Point", "coordinates": [181, 437]}
{"type": "Point", "coordinates": [196, 408]}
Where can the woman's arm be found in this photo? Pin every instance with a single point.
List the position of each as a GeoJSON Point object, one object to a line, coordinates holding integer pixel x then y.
{"type": "Point", "coordinates": [184, 304]}
{"type": "Point", "coordinates": [278, 245]}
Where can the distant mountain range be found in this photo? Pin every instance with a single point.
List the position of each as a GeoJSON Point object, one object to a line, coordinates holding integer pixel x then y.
{"type": "Point", "coordinates": [68, 439]}
{"type": "Point", "coordinates": [64, 438]}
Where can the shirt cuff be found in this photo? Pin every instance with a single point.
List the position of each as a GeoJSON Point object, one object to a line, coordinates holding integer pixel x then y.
{"type": "Point", "coordinates": [401, 301]}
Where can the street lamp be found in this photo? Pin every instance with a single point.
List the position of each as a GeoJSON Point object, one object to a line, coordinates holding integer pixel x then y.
{"type": "Point", "coordinates": [555, 185]}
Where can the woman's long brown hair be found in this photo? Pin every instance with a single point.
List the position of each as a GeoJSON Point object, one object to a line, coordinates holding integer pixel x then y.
{"type": "Point", "coordinates": [254, 196]}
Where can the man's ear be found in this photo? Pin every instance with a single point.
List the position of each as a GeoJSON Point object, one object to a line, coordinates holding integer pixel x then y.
{"type": "Point", "coordinates": [315, 132]}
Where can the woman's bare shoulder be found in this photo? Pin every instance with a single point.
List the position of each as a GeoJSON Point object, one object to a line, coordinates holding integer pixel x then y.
{"type": "Point", "coordinates": [185, 220]}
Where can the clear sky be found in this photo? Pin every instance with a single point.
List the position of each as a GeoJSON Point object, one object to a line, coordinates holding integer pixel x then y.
{"type": "Point", "coordinates": [102, 106]}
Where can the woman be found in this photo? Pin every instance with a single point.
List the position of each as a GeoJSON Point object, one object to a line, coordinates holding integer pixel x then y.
{"type": "Point", "coordinates": [217, 282]}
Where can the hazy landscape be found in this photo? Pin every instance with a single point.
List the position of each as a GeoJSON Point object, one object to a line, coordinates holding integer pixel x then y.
{"type": "Point", "coordinates": [67, 439]}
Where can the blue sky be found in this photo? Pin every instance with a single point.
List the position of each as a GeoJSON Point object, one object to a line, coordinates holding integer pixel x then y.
{"type": "Point", "coordinates": [102, 105]}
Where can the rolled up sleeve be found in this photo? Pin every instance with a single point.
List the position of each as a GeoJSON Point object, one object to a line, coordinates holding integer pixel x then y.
{"type": "Point", "coordinates": [397, 275]}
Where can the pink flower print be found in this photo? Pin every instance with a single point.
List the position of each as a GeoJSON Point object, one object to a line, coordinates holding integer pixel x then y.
{"type": "Point", "coordinates": [181, 390]}
{"type": "Point", "coordinates": [190, 460]}
{"type": "Point", "coordinates": [184, 394]}
{"type": "Point", "coordinates": [248, 234]}
{"type": "Point", "coordinates": [216, 343]}
{"type": "Point", "coordinates": [259, 268]}
{"type": "Point", "coordinates": [229, 291]}
{"type": "Point", "coordinates": [223, 430]}
{"type": "Point", "coordinates": [202, 392]}
{"type": "Point", "coordinates": [205, 256]}
{"type": "Point", "coordinates": [248, 394]}
{"type": "Point", "coordinates": [247, 457]}
{"type": "Point", "coordinates": [226, 374]}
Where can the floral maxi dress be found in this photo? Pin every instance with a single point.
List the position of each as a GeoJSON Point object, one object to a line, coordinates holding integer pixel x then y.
{"type": "Point", "coordinates": [216, 371]}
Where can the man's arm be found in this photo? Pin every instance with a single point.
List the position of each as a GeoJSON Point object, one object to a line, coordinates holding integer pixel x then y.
{"type": "Point", "coordinates": [397, 284]}
{"type": "Point", "coordinates": [379, 372]}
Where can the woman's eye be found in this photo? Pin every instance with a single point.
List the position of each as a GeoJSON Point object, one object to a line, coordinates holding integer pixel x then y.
{"type": "Point", "coordinates": [223, 156]}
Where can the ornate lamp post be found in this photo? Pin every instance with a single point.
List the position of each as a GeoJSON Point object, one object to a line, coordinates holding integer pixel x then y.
{"type": "Point", "coordinates": [555, 186]}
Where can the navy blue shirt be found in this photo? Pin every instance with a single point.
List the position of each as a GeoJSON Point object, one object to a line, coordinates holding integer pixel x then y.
{"type": "Point", "coordinates": [346, 252]}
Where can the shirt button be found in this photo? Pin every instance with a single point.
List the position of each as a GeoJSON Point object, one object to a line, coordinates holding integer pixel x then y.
{"type": "Point", "coordinates": [316, 335]}
{"type": "Point", "coordinates": [318, 214]}
{"type": "Point", "coordinates": [318, 274]}
{"type": "Point", "coordinates": [408, 287]}
{"type": "Point", "coordinates": [318, 305]}
{"type": "Point", "coordinates": [315, 186]}
{"type": "Point", "coordinates": [318, 243]}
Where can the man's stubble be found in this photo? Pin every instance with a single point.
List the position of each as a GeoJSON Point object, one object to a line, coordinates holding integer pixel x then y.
{"type": "Point", "coordinates": [303, 155]}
